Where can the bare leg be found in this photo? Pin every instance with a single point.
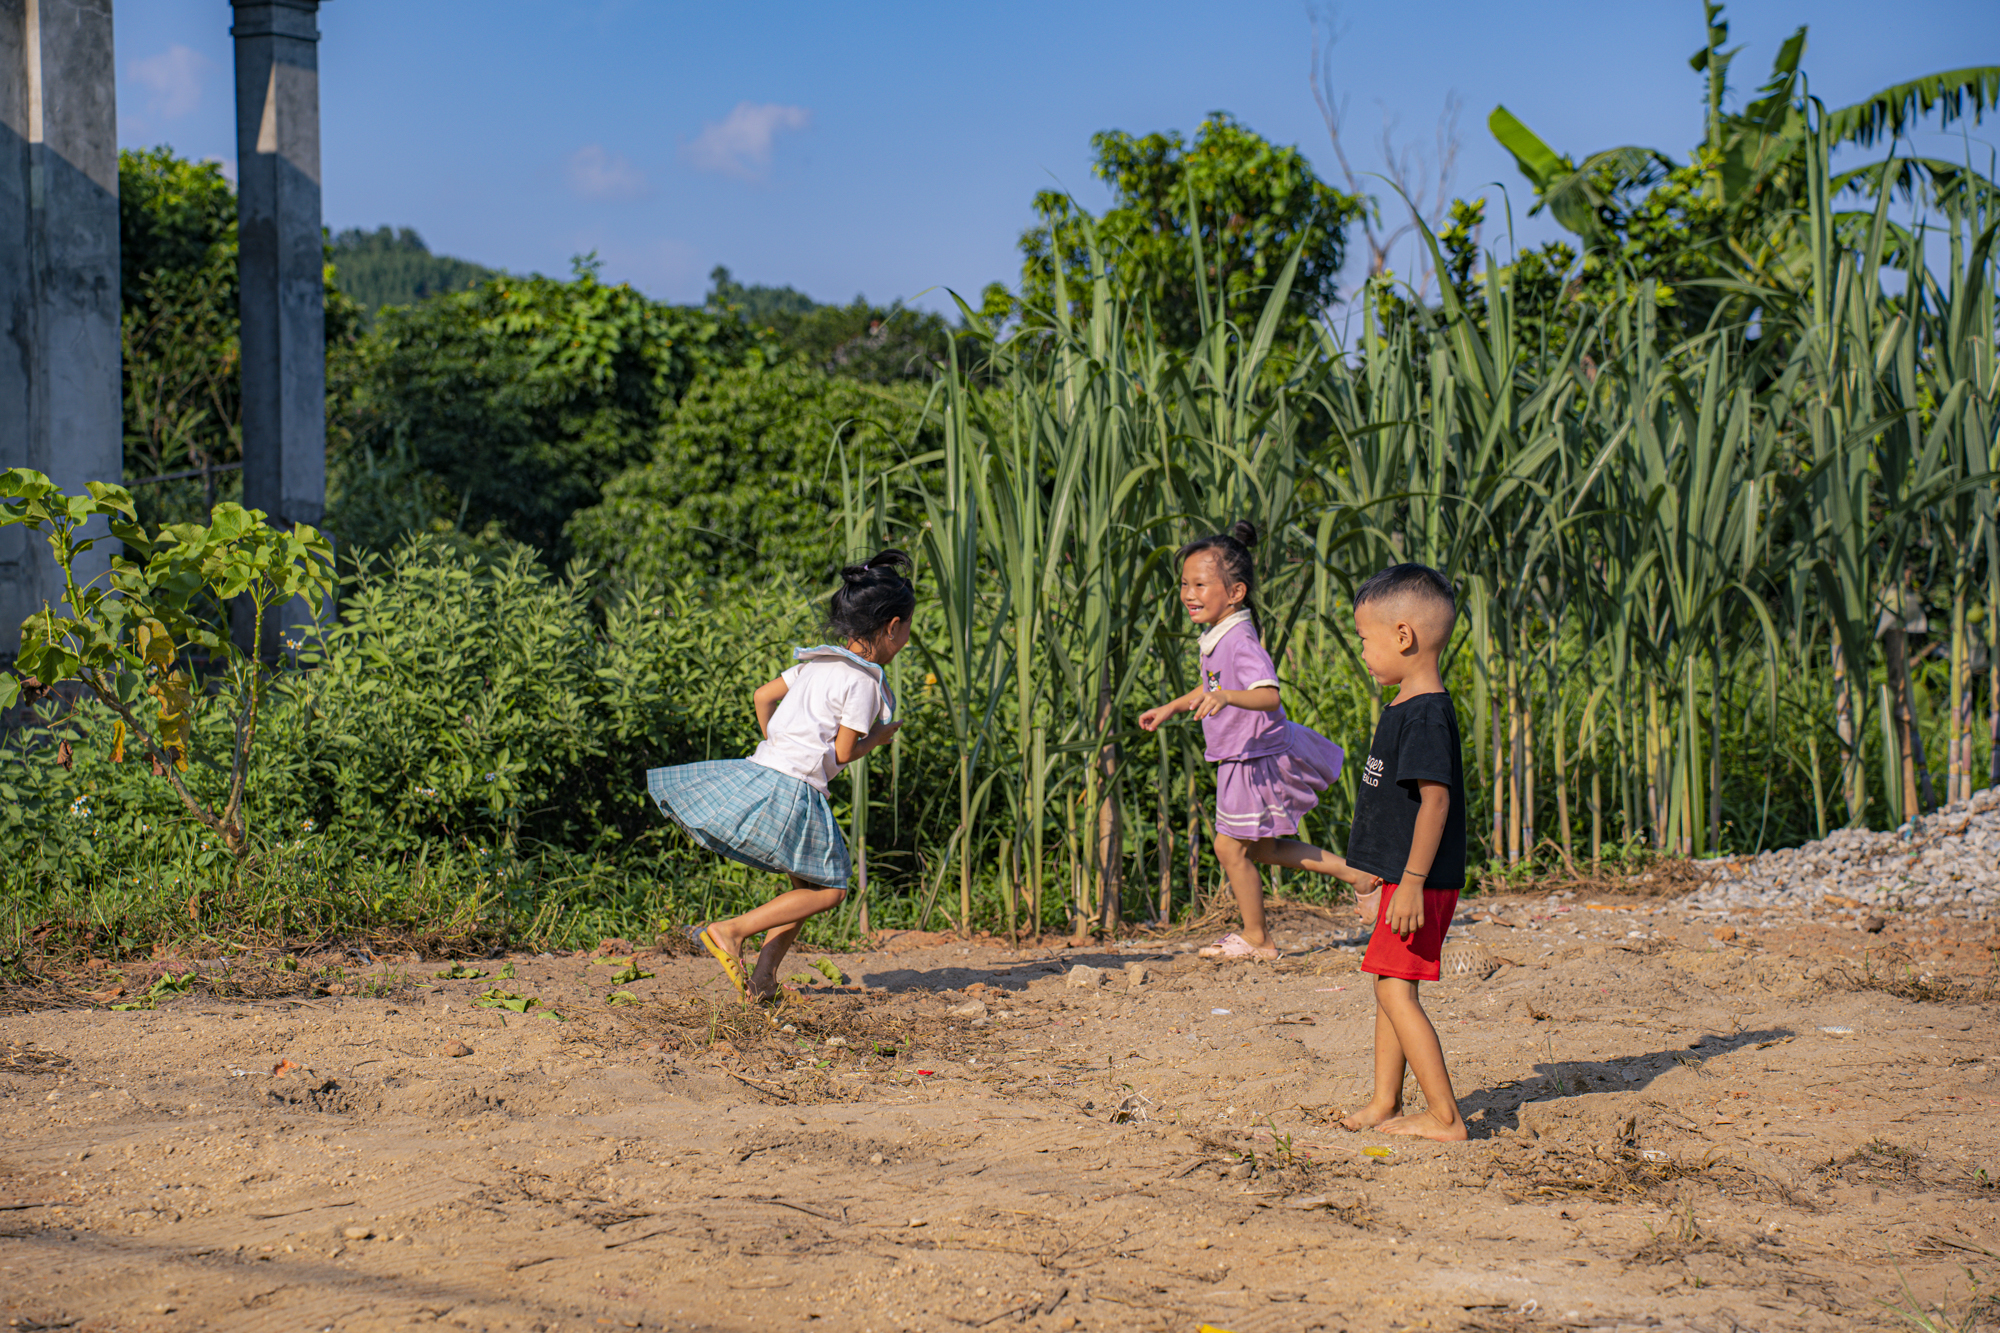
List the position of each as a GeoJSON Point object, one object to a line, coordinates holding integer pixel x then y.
{"type": "Point", "coordinates": [1247, 883]}
{"type": "Point", "coordinates": [1419, 1045]}
{"type": "Point", "coordinates": [1387, 1101]}
{"type": "Point", "coordinates": [1295, 855]}
{"type": "Point", "coordinates": [778, 920]}
{"type": "Point", "coordinates": [777, 942]}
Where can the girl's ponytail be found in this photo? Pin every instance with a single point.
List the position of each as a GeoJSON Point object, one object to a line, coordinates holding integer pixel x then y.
{"type": "Point", "coordinates": [872, 594]}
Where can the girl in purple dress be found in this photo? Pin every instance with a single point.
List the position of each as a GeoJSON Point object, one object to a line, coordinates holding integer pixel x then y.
{"type": "Point", "coordinates": [1268, 770]}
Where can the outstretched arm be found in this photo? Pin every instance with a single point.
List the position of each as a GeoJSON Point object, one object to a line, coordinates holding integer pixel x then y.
{"type": "Point", "coordinates": [1262, 699]}
{"type": "Point", "coordinates": [1151, 719]}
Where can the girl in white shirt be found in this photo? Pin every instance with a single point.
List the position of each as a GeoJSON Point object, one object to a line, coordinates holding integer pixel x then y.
{"type": "Point", "coordinates": [770, 810]}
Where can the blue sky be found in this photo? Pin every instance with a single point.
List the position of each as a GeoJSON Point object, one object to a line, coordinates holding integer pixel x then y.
{"type": "Point", "coordinates": [892, 149]}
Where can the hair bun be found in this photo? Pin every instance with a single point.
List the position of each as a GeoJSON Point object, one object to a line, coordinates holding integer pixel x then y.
{"type": "Point", "coordinates": [1244, 531]}
{"type": "Point", "coordinates": [891, 561]}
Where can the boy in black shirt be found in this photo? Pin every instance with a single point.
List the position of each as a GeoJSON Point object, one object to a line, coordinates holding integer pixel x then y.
{"type": "Point", "coordinates": [1409, 828]}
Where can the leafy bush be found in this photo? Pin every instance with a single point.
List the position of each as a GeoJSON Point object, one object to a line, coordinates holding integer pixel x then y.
{"type": "Point", "coordinates": [742, 483]}
{"type": "Point", "coordinates": [523, 396]}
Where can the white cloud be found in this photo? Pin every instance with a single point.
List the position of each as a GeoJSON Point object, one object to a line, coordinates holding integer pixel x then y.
{"type": "Point", "coordinates": [596, 174]}
{"type": "Point", "coordinates": [740, 144]}
{"type": "Point", "coordinates": [172, 78]}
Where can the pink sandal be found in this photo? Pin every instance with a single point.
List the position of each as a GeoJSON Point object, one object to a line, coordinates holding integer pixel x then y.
{"type": "Point", "coordinates": [1233, 945]}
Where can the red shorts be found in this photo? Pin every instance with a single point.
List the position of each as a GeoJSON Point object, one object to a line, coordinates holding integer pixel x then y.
{"type": "Point", "coordinates": [1415, 958]}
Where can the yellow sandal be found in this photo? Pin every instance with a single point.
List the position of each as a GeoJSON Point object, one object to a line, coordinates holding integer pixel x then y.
{"type": "Point", "coordinates": [731, 965]}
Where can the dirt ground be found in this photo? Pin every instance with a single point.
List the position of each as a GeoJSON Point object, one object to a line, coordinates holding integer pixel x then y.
{"type": "Point", "coordinates": [1678, 1123]}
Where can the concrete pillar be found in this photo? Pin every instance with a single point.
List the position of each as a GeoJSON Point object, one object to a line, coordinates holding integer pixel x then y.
{"type": "Point", "coordinates": [61, 401]}
{"type": "Point", "coordinates": [283, 302]}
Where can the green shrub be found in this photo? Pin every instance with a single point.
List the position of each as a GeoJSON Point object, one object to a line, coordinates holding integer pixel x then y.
{"type": "Point", "coordinates": [742, 483]}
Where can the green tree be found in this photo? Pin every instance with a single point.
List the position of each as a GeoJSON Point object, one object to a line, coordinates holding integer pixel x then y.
{"type": "Point", "coordinates": [743, 482]}
{"type": "Point", "coordinates": [1732, 210]}
{"type": "Point", "coordinates": [860, 340]}
{"type": "Point", "coordinates": [514, 402]}
{"type": "Point", "coordinates": [177, 241]}
{"type": "Point", "coordinates": [1209, 222]}
{"type": "Point", "coordinates": [178, 289]}
{"type": "Point", "coordinates": [394, 267]}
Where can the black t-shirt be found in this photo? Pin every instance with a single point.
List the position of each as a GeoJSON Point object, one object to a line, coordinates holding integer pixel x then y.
{"type": "Point", "coordinates": [1416, 741]}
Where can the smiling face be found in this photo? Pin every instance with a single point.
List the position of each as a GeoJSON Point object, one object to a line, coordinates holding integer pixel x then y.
{"type": "Point", "coordinates": [1206, 591]}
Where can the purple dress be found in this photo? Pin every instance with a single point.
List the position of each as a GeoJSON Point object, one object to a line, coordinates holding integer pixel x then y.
{"type": "Point", "coordinates": [1269, 770]}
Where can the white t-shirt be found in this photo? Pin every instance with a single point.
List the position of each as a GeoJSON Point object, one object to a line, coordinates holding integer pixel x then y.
{"type": "Point", "coordinates": [823, 694]}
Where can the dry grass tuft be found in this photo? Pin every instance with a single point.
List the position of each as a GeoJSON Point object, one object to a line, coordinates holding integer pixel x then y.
{"type": "Point", "coordinates": [1898, 976]}
{"type": "Point", "coordinates": [880, 1037]}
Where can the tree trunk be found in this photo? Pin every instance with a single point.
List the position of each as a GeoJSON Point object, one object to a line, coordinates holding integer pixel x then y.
{"type": "Point", "coordinates": [965, 847]}
{"type": "Point", "coordinates": [1562, 782]}
{"type": "Point", "coordinates": [1596, 796]}
{"type": "Point", "coordinates": [1194, 845]}
{"type": "Point", "coordinates": [1853, 782]}
{"type": "Point", "coordinates": [1497, 843]}
{"type": "Point", "coordinates": [1993, 670]}
{"type": "Point", "coordinates": [1655, 803]}
{"type": "Point", "coordinates": [1896, 655]}
{"type": "Point", "coordinates": [1958, 737]}
{"type": "Point", "coordinates": [1166, 842]}
{"type": "Point", "coordinates": [1110, 848]}
{"type": "Point", "coordinates": [1038, 788]}
{"type": "Point", "coordinates": [1715, 743]}
{"type": "Point", "coordinates": [1527, 771]}
{"type": "Point", "coordinates": [1110, 858]}
{"type": "Point", "coordinates": [1514, 740]}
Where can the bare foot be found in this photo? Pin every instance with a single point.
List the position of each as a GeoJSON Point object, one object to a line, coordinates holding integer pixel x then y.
{"type": "Point", "coordinates": [1424, 1125]}
{"type": "Point", "coordinates": [1369, 1116]}
{"type": "Point", "coordinates": [726, 951]}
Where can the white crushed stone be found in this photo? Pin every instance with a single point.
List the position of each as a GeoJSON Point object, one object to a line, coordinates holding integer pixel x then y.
{"type": "Point", "coordinates": [1944, 864]}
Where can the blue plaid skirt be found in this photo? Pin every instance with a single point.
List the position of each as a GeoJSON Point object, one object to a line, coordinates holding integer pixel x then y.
{"type": "Point", "coordinates": [755, 815]}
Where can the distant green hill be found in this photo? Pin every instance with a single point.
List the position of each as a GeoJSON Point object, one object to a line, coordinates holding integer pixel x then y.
{"type": "Point", "coordinates": [393, 266]}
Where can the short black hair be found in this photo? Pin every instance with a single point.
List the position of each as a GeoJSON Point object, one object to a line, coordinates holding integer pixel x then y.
{"type": "Point", "coordinates": [872, 594]}
{"type": "Point", "coordinates": [1408, 580]}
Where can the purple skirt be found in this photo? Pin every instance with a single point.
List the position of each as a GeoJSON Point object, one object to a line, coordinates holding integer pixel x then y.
{"type": "Point", "coordinates": [1265, 797]}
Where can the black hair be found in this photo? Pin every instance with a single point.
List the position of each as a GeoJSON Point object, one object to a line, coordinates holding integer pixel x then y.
{"type": "Point", "coordinates": [1408, 580]}
{"type": "Point", "coordinates": [872, 594]}
{"type": "Point", "coordinates": [1232, 552]}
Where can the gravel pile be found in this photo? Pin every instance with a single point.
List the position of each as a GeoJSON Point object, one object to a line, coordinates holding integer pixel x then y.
{"type": "Point", "coordinates": [1945, 864]}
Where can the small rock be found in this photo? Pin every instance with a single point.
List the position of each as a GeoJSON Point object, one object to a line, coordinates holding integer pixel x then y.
{"type": "Point", "coordinates": [356, 1233]}
{"type": "Point", "coordinates": [1873, 925]}
{"type": "Point", "coordinates": [836, 1041]}
{"type": "Point", "coordinates": [874, 1159]}
{"type": "Point", "coordinates": [1725, 933]}
{"type": "Point", "coordinates": [1137, 975]}
{"type": "Point", "coordinates": [454, 1049]}
{"type": "Point", "coordinates": [1084, 977]}
{"type": "Point", "coordinates": [970, 1009]}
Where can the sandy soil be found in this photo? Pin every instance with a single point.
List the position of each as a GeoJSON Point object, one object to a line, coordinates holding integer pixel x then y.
{"type": "Point", "coordinates": [1671, 1131]}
